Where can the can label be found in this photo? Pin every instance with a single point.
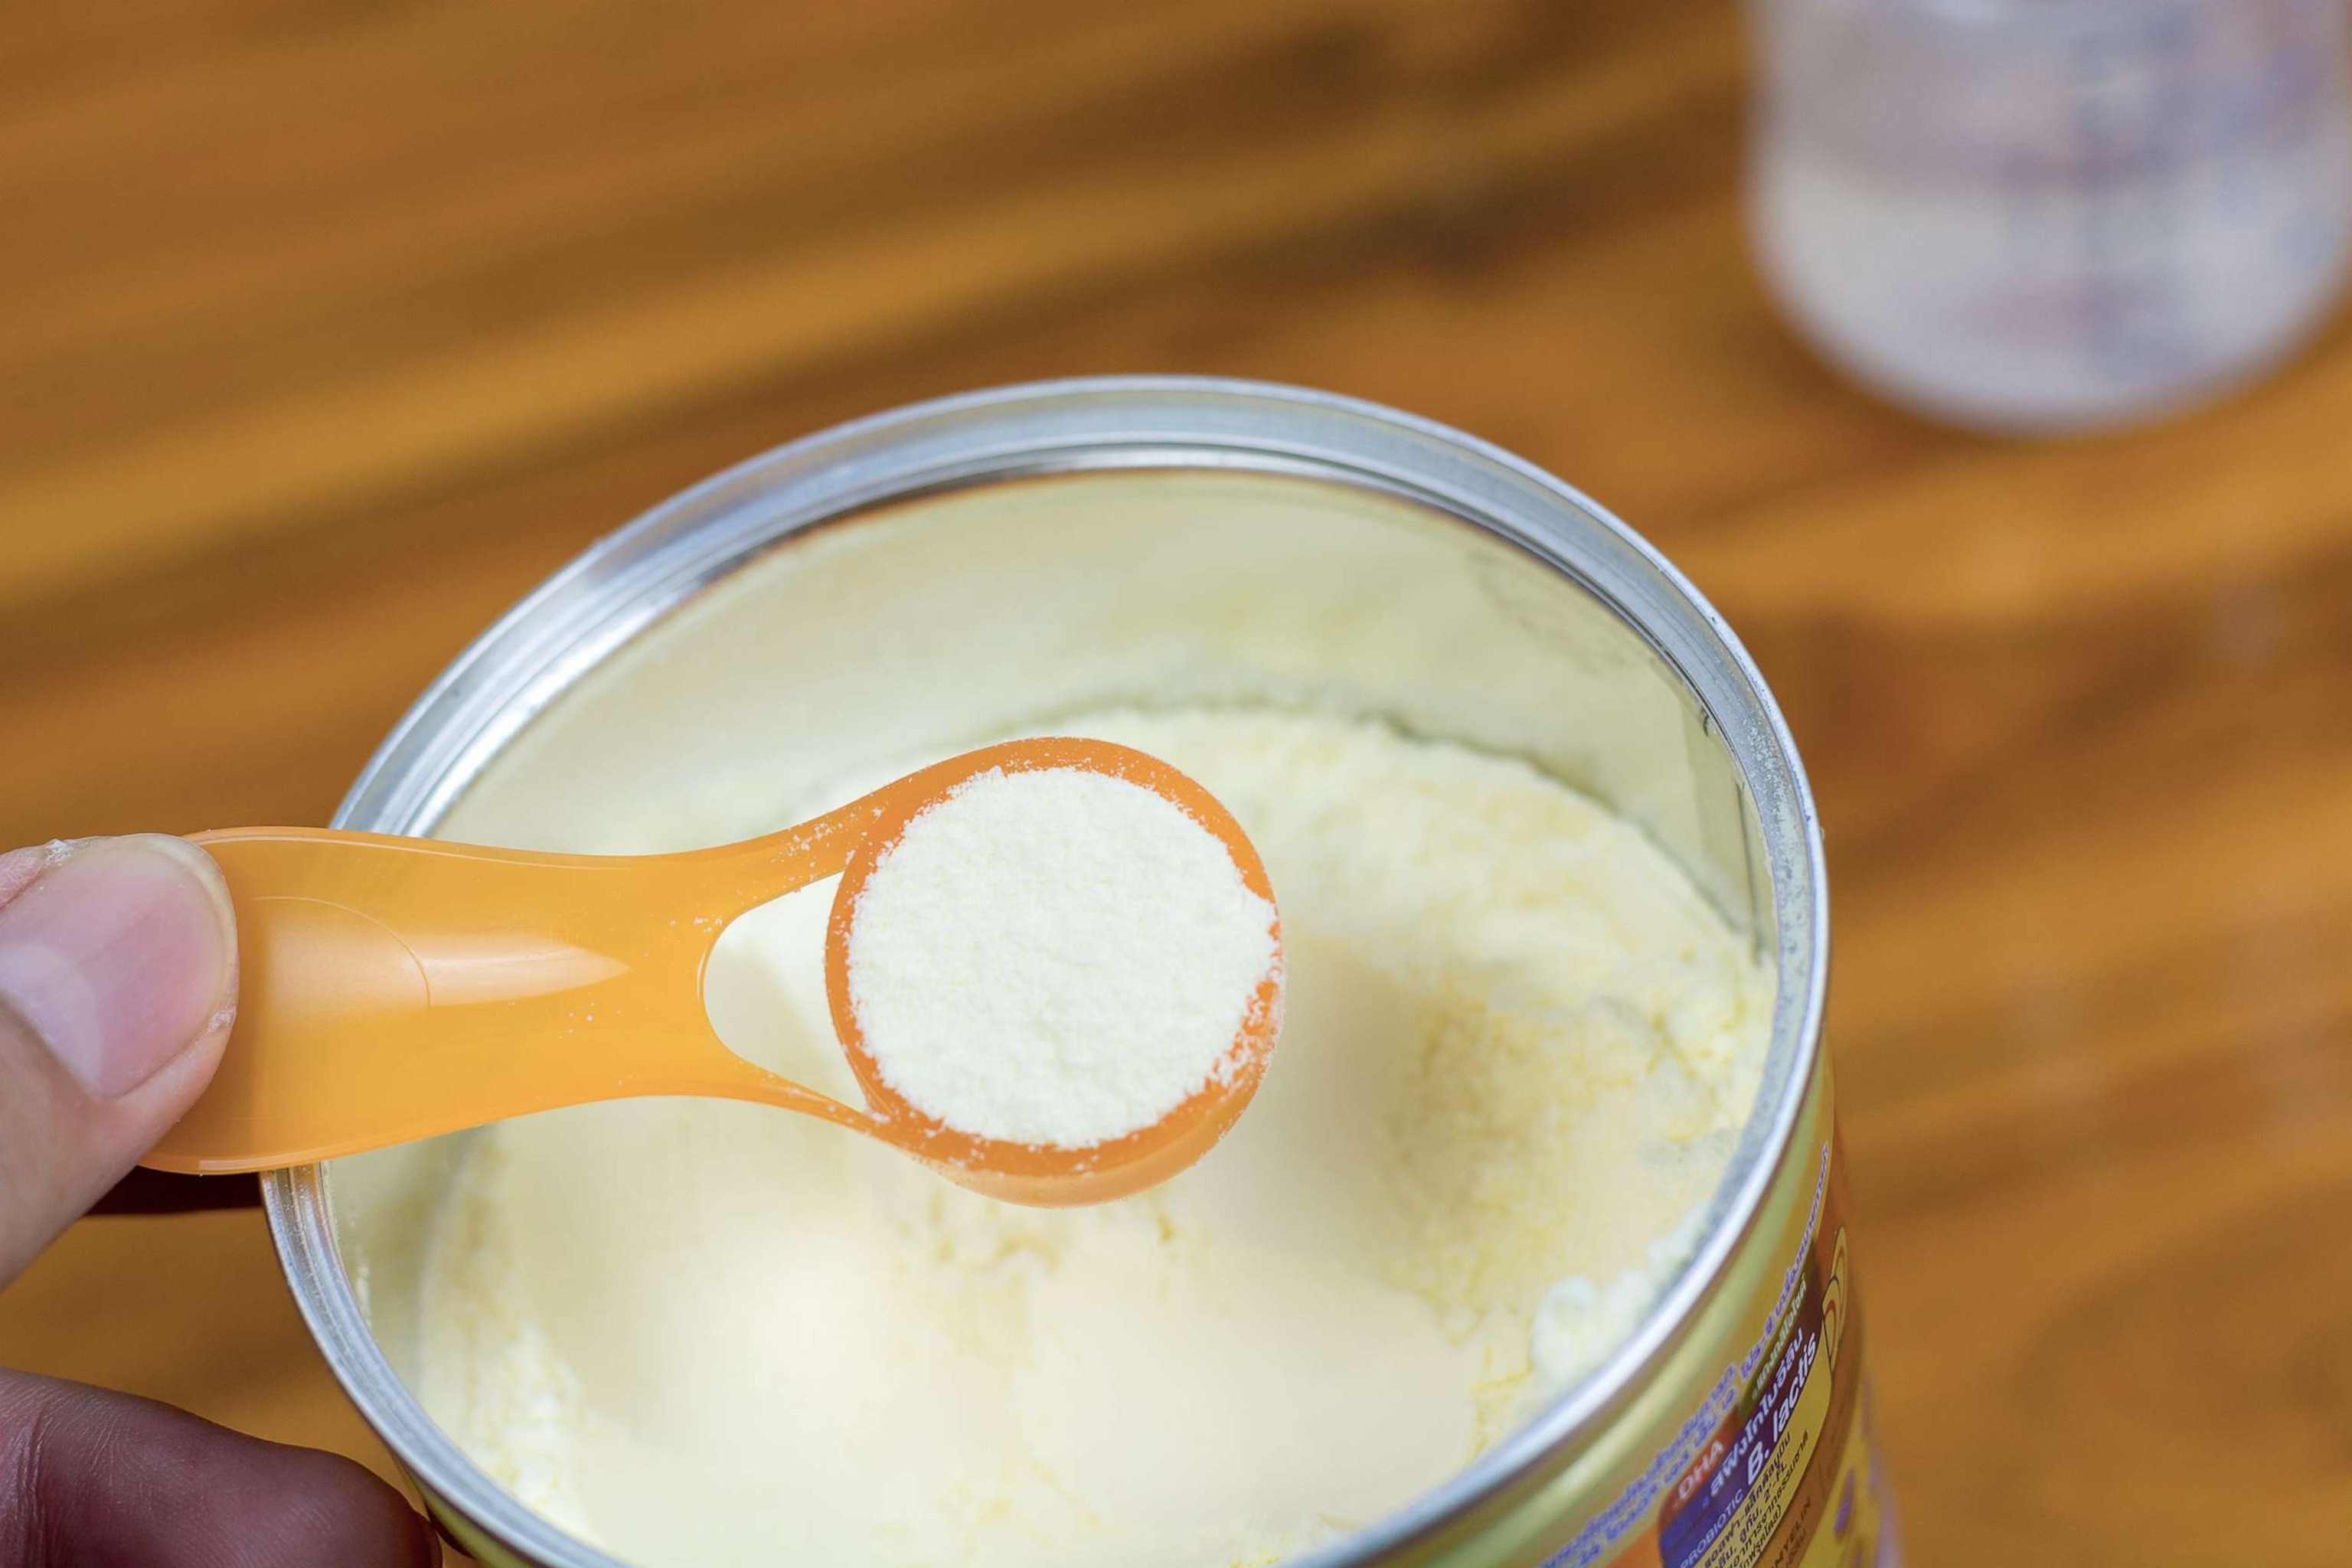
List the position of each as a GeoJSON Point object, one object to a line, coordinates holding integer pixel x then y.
{"type": "Point", "coordinates": [1775, 1467]}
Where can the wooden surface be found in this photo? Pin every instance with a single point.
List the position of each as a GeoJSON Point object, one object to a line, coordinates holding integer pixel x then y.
{"type": "Point", "coordinates": [326, 330]}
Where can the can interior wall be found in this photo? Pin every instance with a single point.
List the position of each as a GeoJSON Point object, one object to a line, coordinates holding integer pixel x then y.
{"type": "Point", "coordinates": [1066, 546]}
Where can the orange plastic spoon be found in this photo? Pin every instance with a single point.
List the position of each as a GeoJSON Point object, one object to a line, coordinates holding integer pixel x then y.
{"type": "Point", "coordinates": [397, 988]}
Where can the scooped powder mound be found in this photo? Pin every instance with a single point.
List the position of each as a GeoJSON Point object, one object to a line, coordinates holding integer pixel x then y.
{"type": "Point", "coordinates": [1054, 957]}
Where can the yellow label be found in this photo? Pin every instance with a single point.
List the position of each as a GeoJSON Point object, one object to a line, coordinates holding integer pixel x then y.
{"type": "Point", "coordinates": [1773, 1486]}
{"type": "Point", "coordinates": [1774, 1469]}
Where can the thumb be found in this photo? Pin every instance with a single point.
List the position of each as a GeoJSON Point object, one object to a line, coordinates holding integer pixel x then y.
{"type": "Point", "coordinates": [118, 982]}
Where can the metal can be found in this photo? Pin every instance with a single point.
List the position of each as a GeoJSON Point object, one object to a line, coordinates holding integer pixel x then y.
{"type": "Point", "coordinates": [1201, 525]}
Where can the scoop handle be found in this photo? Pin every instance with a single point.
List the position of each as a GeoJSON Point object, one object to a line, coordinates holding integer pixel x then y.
{"type": "Point", "coordinates": [395, 988]}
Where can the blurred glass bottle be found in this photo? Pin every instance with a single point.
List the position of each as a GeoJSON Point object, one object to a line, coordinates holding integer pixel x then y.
{"type": "Point", "coordinates": [2053, 214]}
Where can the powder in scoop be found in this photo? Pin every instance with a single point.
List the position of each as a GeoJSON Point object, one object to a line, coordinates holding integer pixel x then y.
{"type": "Point", "coordinates": [1054, 957]}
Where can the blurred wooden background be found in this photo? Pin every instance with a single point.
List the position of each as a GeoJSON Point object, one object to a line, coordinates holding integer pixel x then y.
{"type": "Point", "coordinates": [327, 329]}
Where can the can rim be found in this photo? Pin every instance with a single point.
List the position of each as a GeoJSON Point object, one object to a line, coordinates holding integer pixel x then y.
{"type": "Point", "coordinates": [640, 573]}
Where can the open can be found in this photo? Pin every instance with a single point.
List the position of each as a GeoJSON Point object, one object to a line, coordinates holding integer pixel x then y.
{"type": "Point", "coordinates": [1174, 538]}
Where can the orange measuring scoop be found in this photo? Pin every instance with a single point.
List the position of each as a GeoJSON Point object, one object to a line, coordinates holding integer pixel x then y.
{"type": "Point", "coordinates": [396, 988]}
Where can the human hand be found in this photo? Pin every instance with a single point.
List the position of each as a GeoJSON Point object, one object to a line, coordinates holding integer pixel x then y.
{"type": "Point", "coordinates": [118, 982]}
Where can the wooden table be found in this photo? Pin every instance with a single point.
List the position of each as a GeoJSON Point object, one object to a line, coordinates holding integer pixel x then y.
{"type": "Point", "coordinates": [325, 332]}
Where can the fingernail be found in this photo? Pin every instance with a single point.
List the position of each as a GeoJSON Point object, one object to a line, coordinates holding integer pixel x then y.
{"type": "Point", "coordinates": [119, 956]}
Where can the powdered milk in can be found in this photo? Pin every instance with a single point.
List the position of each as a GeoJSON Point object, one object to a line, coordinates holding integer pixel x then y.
{"type": "Point", "coordinates": [1069, 542]}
